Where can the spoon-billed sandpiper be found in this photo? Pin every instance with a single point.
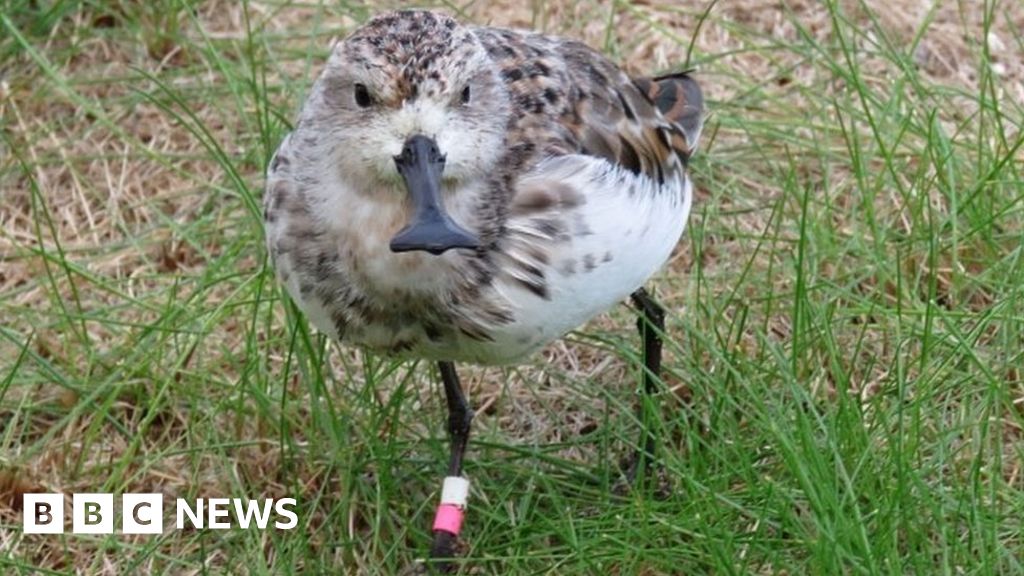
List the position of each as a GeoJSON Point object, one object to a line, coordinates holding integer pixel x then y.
{"type": "Point", "coordinates": [469, 194]}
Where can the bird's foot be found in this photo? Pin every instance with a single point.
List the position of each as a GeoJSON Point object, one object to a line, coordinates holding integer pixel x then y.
{"type": "Point", "coordinates": [640, 473]}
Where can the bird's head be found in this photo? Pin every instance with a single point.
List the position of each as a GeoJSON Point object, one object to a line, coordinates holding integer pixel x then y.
{"type": "Point", "coordinates": [414, 109]}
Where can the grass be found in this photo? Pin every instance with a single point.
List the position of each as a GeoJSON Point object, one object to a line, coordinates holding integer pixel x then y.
{"type": "Point", "coordinates": [843, 388]}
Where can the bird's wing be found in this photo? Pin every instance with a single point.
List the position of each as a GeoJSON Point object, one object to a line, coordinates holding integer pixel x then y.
{"type": "Point", "coordinates": [601, 194]}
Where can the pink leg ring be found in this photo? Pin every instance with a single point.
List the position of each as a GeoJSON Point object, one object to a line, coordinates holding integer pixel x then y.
{"type": "Point", "coordinates": [448, 518]}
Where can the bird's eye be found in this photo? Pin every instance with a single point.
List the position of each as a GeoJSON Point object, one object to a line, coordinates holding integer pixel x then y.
{"type": "Point", "coordinates": [363, 98]}
{"type": "Point", "coordinates": [465, 95]}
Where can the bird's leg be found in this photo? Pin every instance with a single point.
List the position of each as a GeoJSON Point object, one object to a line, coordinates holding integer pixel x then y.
{"type": "Point", "coordinates": [460, 416]}
{"type": "Point", "coordinates": [448, 520]}
{"type": "Point", "coordinates": [651, 326]}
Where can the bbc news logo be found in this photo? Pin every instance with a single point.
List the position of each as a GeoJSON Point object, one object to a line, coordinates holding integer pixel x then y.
{"type": "Point", "coordinates": [94, 513]}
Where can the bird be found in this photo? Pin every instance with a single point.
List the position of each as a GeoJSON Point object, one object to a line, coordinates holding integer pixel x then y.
{"type": "Point", "coordinates": [468, 194]}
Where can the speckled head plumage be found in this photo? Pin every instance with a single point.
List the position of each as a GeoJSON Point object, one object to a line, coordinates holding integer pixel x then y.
{"type": "Point", "coordinates": [410, 48]}
{"type": "Point", "coordinates": [405, 73]}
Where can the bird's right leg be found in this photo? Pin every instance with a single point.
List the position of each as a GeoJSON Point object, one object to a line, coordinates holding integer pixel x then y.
{"type": "Point", "coordinates": [448, 520]}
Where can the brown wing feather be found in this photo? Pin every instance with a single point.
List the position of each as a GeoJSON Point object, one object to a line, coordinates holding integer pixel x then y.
{"type": "Point", "coordinates": [679, 99]}
{"type": "Point", "coordinates": [615, 120]}
{"type": "Point", "coordinates": [569, 99]}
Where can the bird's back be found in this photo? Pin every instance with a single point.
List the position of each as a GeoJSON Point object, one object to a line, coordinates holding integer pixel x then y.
{"type": "Point", "coordinates": [569, 99]}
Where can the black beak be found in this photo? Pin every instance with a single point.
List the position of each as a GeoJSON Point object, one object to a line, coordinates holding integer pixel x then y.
{"type": "Point", "coordinates": [431, 229]}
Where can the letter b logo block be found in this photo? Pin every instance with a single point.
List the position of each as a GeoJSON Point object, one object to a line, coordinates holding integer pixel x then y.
{"type": "Point", "coordinates": [92, 514]}
{"type": "Point", "coordinates": [43, 513]}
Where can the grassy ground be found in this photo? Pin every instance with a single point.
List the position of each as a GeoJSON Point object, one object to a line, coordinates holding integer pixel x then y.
{"type": "Point", "coordinates": [844, 387]}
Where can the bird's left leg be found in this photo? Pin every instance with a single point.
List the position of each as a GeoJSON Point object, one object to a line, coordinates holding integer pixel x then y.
{"type": "Point", "coordinates": [651, 326]}
{"type": "Point", "coordinates": [448, 520]}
